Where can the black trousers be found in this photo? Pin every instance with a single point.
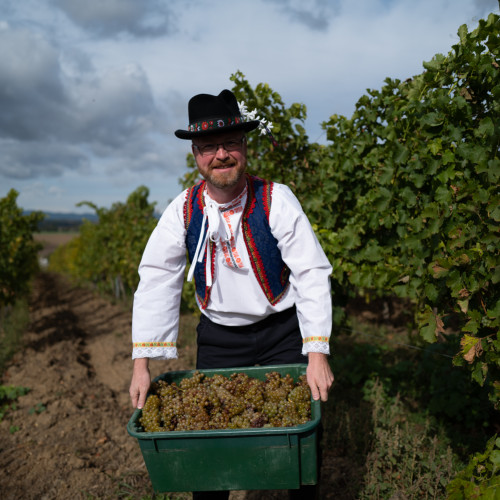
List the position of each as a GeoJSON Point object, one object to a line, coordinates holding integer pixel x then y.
{"type": "Point", "coordinates": [276, 340]}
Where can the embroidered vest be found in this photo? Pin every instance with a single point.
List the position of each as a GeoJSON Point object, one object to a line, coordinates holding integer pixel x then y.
{"type": "Point", "coordinates": [265, 258]}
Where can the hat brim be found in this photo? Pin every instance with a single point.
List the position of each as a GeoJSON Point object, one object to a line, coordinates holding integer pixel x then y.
{"type": "Point", "coordinates": [246, 126]}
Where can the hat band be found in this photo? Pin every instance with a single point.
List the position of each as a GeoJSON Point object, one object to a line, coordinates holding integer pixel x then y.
{"type": "Point", "coordinates": [214, 124]}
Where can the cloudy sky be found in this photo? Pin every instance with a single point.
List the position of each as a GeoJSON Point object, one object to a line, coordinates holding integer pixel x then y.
{"type": "Point", "coordinates": [92, 91]}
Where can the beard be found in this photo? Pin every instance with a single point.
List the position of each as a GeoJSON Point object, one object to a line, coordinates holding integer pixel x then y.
{"type": "Point", "coordinates": [224, 180]}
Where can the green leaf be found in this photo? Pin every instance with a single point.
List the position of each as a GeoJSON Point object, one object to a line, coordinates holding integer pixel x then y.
{"type": "Point", "coordinates": [432, 119]}
{"type": "Point", "coordinates": [431, 292]}
{"type": "Point", "coordinates": [443, 195]}
{"type": "Point", "coordinates": [435, 146]}
{"type": "Point", "coordinates": [448, 157]}
{"type": "Point", "coordinates": [485, 128]}
{"type": "Point", "coordinates": [472, 326]}
{"type": "Point", "coordinates": [494, 170]}
{"type": "Point", "coordinates": [462, 32]}
{"type": "Point", "coordinates": [373, 252]}
{"type": "Point", "coordinates": [408, 196]}
{"type": "Point", "coordinates": [428, 326]}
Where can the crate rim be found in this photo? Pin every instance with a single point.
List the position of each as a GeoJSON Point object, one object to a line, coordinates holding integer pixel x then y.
{"type": "Point", "coordinates": [211, 433]}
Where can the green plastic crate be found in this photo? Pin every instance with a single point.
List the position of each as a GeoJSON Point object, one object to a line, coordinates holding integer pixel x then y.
{"type": "Point", "coordinates": [231, 459]}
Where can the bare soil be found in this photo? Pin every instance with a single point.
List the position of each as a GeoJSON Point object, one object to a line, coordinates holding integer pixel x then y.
{"type": "Point", "coordinates": [67, 438]}
{"type": "Point", "coordinates": [51, 241]}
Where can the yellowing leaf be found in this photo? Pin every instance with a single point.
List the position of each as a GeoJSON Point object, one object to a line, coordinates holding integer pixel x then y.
{"type": "Point", "coordinates": [439, 325]}
{"type": "Point", "coordinates": [438, 270]}
{"type": "Point", "coordinates": [469, 357]}
{"type": "Point", "coordinates": [464, 305]}
{"type": "Point", "coordinates": [471, 347]}
{"type": "Point", "coordinates": [467, 341]}
{"type": "Point", "coordinates": [463, 259]}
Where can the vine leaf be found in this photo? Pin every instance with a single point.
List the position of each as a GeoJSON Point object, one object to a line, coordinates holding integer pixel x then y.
{"type": "Point", "coordinates": [432, 326]}
{"type": "Point", "coordinates": [471, 347]}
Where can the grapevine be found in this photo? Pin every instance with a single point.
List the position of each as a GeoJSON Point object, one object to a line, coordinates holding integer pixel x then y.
{"type": "Point", "coordinates": [201, 402]}
{"type": "Point", "coordinates": [18, 249]}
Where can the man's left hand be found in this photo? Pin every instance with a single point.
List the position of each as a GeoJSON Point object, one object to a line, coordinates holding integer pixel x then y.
{"type": "Point", "coordinates": [319, 375]}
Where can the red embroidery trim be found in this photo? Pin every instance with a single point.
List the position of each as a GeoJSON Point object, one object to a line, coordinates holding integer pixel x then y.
{"type": "Point", "coordinates": [201, 199]}
{"type": "Point", "coordinates": [255, 260]}
{"type": "Point", "coordinates": [188, 209]}
{"type": "Point", "coordinates": [266, 198]}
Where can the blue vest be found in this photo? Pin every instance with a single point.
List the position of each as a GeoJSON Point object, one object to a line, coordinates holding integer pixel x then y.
{"type": "Point", "coordinates": [265, 258]}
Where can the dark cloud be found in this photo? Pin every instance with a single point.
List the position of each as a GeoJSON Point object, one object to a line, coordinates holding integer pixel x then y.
{"type": "Point", "coordinates": [32, 97]}
{"type": "Point", "coordinates": [59, 113]}
{"type": "Point", "coordinates": [28, 160]}
{"type": "Point", "coordinates": [150, 18]}
{"type": "Point", "coordinates": [315, 14]}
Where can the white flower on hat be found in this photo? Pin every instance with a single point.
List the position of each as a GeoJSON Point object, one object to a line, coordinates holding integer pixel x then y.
{"type": "Point", "coordinates": [264, 125]}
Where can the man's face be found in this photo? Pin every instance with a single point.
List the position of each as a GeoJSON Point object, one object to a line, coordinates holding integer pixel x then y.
{"type": "Point", "coordinates": [221, 167]}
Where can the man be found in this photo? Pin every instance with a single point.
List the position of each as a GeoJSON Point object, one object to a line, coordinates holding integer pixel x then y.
{"type": "Point", "coordinates": [262, 279]}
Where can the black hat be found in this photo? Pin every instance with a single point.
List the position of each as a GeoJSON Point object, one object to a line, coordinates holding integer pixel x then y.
{"type": "Point", "coordinates": [209, 114]}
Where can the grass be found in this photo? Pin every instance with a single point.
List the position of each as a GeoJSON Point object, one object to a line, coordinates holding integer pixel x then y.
{"type": "Point", "coordinates": [13, 323]}
{"type": "Point", "coordinates": [400, 454]}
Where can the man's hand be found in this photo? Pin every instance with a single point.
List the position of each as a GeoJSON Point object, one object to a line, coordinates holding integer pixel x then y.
{"type": "Point", "coordinates": [141, 380]}
{"type": "Point", "coordinates": [319, 375]}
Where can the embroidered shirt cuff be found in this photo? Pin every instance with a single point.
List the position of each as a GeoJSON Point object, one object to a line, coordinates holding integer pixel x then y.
{"type": "Point", "coordinates": [158, 350]}
{"type": "Point", "coordinates": [316, 344]}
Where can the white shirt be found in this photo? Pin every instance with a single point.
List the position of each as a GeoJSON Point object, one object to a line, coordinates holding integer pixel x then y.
{"type": "Point", "coordinates": [236, 297]}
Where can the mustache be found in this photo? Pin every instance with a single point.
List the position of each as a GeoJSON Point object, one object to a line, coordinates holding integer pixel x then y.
{"type": "Point", "coordinates": [223, 164]}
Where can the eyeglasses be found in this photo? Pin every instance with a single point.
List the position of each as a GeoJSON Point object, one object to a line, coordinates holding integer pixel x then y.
{"type": "Point", "coordinates": [211, 149]}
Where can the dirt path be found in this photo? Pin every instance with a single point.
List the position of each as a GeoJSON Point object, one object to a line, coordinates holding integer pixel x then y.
{"type": "Point", "coordinates": [71, 441]}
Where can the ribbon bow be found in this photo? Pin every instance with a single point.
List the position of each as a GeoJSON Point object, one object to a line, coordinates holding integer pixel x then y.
{"type": "Point", "coordinates": [217, 229]}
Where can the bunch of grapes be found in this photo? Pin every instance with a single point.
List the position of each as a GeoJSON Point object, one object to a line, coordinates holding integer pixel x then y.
{"type": "Point", "coordinates": [151, 420]}
{"type": "Point", "coordinates": [218, 402]}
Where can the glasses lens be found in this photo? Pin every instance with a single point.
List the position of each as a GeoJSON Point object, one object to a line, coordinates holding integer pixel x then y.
{"type": "Point", "coordinates": [208, 149]}
{"type": "Point", "coordinates": [232, 145]}
{"type": "Point", "coordinates": [211, 149]}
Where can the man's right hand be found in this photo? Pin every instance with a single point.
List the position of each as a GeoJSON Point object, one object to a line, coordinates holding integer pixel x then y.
{"type": "Point", "coordinates": [141, 380]}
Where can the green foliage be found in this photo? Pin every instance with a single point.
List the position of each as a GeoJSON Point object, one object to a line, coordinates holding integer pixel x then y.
{"type": "Point", "coordinates": [416, 171]}
{"type": "Point", "coordinates": [425, 379]}
{"type": "Point", "coordinates": [8, 397]}
{"type": "Point", "coordinates": [108, 253]}
{"type": "Point", "coordinates": [405, 197]}
{"type": "Point", "coordinates": [481, 477]}
{"type": "Point", "coordinates": [63, 259]}
{"type": "Point", "coordinates": [18, 250]}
